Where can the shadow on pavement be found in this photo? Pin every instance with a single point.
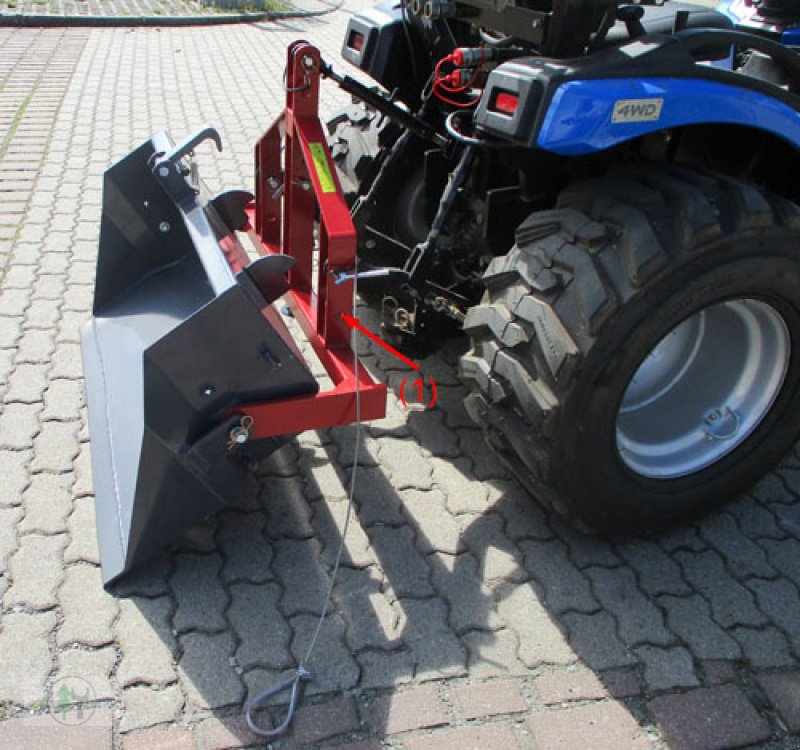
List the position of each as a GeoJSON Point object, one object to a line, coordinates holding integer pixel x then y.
{"type": "Point", "coordinates": [450, 570]}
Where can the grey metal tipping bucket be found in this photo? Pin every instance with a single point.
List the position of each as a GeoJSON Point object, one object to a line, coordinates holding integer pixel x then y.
{"type": "Point", "coordinates": [175, 342]}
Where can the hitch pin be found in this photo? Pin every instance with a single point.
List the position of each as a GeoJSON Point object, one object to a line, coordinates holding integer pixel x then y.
{"type": "Point", "coordinates": [342, 276]}
{"type": "Point", "coordinates": [240, 434]}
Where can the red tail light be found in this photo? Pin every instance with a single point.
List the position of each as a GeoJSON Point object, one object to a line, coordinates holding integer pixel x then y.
{"type": "Point", "coordinates": [355, 41]}
{"type": "Point", "coordinates": [506, 103]}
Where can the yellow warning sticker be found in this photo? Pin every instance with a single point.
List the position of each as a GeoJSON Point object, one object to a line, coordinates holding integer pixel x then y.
{"type": "Point", "coordinates": [323, 168]}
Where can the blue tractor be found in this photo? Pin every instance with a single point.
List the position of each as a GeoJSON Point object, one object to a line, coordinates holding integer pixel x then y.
{"type": "Point", "coordinates": [604, 198]}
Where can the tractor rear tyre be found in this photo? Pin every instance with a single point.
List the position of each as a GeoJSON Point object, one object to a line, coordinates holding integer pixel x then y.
{"type": "Point", "coordinates": [635, 359]}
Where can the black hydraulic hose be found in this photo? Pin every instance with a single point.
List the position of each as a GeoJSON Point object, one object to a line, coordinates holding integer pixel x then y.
{"type": "Point", "coordinates": [402, 117]}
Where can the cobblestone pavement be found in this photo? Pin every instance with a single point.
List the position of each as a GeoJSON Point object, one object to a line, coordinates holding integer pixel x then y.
{"type": "Point", "coordinates": [154, 8]}
{"type": "Point", "coordinates": [466, 616]}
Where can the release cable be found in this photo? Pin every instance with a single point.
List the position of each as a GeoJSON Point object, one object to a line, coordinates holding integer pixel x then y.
{"type": "Point", "coordinates": [303, 673]}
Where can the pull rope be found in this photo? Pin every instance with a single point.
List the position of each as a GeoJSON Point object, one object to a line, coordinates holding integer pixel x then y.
{"type": "Point", "coordinates": [303, 674]}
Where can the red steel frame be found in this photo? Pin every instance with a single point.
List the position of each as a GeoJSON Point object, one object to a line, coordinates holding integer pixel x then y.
{"type": "Point", "coordinates": [282, 221]}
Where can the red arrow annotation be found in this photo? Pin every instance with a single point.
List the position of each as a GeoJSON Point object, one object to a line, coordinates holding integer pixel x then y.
{"type": "Point", "coordinates": [354, 323]}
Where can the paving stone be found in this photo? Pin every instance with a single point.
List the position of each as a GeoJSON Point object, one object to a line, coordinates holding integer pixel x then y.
{"type": "Point", "coordinates": [94, 666]}
{"type": "Point", "coordinates": [718, 672]}
{"type": "Point", "coordinates": [404, 567]}
{"type": "Point", "coordinates": [568, 686]}
{"type": "Point", "coordinates": [69, 327]}
{"type": "Point", "coordinates": [690, 618]}
{"type": "Point", "coordinates": [487, 736]}
{"type": "Point", "coordinates": [297, 566]}
{"type": "Point", "coordinates": [378, 503]}
{"type": "Point", "coordinates": [585, 549]}
{"type": "Point", "coordinates": [493, 654]}
{"type": "Point", "coordinates": [48, 502]}
{"type": "Point", "coordinates": [44, 731]}
{"type": "Point", "coordinates": [88, 610]}
{"type": "Point", "coordinates": [436, 529]}
{"type": "Point", "coordinates": [403, 461]}
{"type": "Point", "coordinates": [13, 302]}
{"type": "Point", "coordinates": [82, 471]}
{"type": "Point", "coordinates": [245, 550]}
{"type": "Point", "coordinates": [429, 428]}
{"type": "Point", "coordinates": [63, 399]}
{"type": "Point", "coordinates": [656, 572]}
{"type": "Point", "coordinates": [788, 517]}
{"type": "Point", "coordinates": [333, 665]}
{"type": "Point", "coordinates": [744, 557]}
{"type": "Point", "coordinates": [42, 318]}
{"type": "Point", "coordinates": [48, 286]}
{"type": "Point", "coordinates": [36, 571]}
{"type": "Point", "coordinates": [329, 522]}
{"type": "Point", "coordinates": [9, 518]}
{"type": "Point", "coordinates": [13, 469]}
{"type": "Point", "coordinates": [372, 622]}
{"type": "Point", "coordinates": [499, 561]}
{"type": "Point", "coordinates": [198, 539]}
{"type": "Point", "coordinates": [385, 669]}
{"type": "Point", "coordinates": [288, 511]}
{"type": "Point", "coordinates": [783, 691]}
{"type": "Point", "coordinates": [667, 668]}
{"type": "Point", "coordinates": [176, 738]}
{"type": "Point", "coordinates": [757, 520]}
{"type": "Point", "coordinates": [784, 556]}
{"type": "Point", "coordinates": [436, 649]}
{"type": "Point", "coordinates": [343, 446]}
{"type": "Point", "coordinates": [622, 683]}
{"type": "Point", "coordinates": [540, 640]}
{"type": "Point", "coordinates": [223, 734]}
{"type": "Point", "coordinates": [599, 726]}
{"type": "Point", "coordinates": [27, 384]}
{"type": "Point", "coordinates": [413, 709]}
{"type": "Point", "coordinates": [67, 361]}
{"type": "Point", "coordinates": [565, 587]}
{"type": "Point", "coordinates": [595, 640]}
{"type": "Point", "coordinates": [770, 489]}
{"type": "Point", "coordinates": [82, 533]}
{"type": "Point", "coordinates": [19, 423]}
{"type": "Point", "coordinates": [205, 671]}
{"type": "Point", "coordinates": [146, 706]}
{"type": "Point", "coordinates": [463, 493]}
{"type": "Point", "coordinates": [145, 638]}
{"type": "Point", "coordinates": [324, 480]}
{"type": "Point", "coordinates": [55, 447]}
{"type": "Point", "coordinates": [764, 648]}
{"type": "Point", "coordinates": [35, 346]}
{"type": "Point", "coordinates": [469, 601]}
{"type": "Point", "coordinates": [779, 600]}
{"type": "Point", "coordinates": [522, 518]}
{"type": "Point", "coordinates": [485, 465]}
{"type": "Point", "coordinates": [263, 634]}
{"type": "Point", "coordinates": [731, 603]}
{"type": "Point", "coordinates": [320, 721]}
{"type": "Point", "coordinates": [714, 718]}
{"type": "Point", "coordinates": [201, 599]}
{"type": "Point", "coordinates": [487, 699]}
{"type": "Point", "coordinates": [22, 681]}
{"type": "Point", "coordinates": [684, 537]}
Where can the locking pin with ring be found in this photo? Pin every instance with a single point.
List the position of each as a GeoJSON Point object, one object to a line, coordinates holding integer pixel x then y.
{"type": "Point", "coordinates": [240, 434]}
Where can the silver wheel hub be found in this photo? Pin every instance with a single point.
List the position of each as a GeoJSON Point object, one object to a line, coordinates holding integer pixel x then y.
{"type": "Point", "coordinates": [703, 389]}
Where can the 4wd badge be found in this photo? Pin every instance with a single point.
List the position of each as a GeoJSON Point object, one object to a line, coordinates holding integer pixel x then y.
{"type": "Point", "coordinates": [637, 110]}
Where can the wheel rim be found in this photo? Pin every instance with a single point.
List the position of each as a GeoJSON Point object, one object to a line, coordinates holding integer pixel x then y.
{"type": "Point", "coordinates": [703, 389]}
